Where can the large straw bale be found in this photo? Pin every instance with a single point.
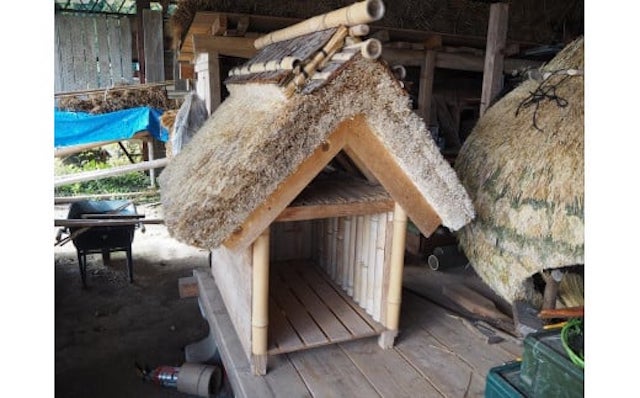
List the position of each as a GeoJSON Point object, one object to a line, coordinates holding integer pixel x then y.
{"type": "Point", "coordinates": [527, 182]}
{"type": "Point", "coordinates": [257, 138]}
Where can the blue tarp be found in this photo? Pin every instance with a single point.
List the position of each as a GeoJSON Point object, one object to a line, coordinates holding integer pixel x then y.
{"type": "Point", "coordinates": [75, 128]}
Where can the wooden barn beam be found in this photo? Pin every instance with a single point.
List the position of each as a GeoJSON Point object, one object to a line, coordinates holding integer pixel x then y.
{"type": "Point", "coordinates": [493, 79]}
{"type": "Point", "coordinates": [241, 47]}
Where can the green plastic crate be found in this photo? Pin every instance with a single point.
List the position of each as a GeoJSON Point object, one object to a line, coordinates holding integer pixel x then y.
{"type": "Point", "coordinates": [546, 369]}
{"type": "Point", "coordinates": [504, 382]}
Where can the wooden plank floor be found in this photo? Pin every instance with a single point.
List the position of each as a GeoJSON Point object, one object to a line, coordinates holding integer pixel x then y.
{"type": "Point", "coordinates": [435, 355]}
{"type": "Point", "coordinates": [308, 310]}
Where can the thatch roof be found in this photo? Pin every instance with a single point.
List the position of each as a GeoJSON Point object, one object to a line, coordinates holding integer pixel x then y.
{"type": "Point", "coordinates": [258, 137]}
{"type": "Point", "coordinates": [523, 166]}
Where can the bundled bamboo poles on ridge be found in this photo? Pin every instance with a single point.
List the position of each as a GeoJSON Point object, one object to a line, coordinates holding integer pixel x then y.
{"type": "Point", "coordinates": [359, 13]}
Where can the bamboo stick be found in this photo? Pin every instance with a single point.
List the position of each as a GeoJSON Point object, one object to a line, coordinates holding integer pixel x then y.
{"type": "Point", "coordinates": [359, 13]}
{"type": "Point", "coordinates": [359, 30]}
{"type": "Point", "coordinates": [346, 245]}
{"type": "Point", "coordinates": [373, 239]}
{"type": "Point", "coordinates": [364, 277]}
{"type": "Point", "coordinates": [379, 265]}
{"type": "Point", "coordinates": [95, 174]}
{"type": "Point", "coordinates": [357, 279]}
{"type": "Point", "coordinates": [332, 46]}
{"type": "Point", "coordinates": [260, 297]}
{"type": "Point", "coordinates": [397, 263]}
{"type": "Point", "coordinates": [370, 48]}
{"type": "Point", "coordinates": [352, 256]}
{"type": "Point", "coordinates": [340, 231]}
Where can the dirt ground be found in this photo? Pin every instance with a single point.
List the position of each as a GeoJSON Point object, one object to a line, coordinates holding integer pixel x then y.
{"type": "Point", "coordinates": [103, 331]}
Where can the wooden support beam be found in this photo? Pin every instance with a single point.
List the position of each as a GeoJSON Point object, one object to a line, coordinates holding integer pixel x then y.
{"type": "Point", "coordinates": [208, 85]}
{"type": "Point", "coordinates": [451, 60]}
{"type": "Point", "coordinates": [314, 212]}
{"type": "Point", "coordinates": [83, 223]}
{"type": "Point", "coordinates": [492, 79]}
{"type": "Point", "coordinates": [241, 47]}
{"type": "Point", "coordinates": [219, 26]}
{"type": "Point", "coordinates": [260, 304]}
{"type": "Point", "coordinates": [426, 85]}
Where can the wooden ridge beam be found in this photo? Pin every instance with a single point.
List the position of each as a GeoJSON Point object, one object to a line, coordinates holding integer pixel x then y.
{"type": "Point", "coordinates": [300, 213]}
{"type": "Point", "coordinates": [241, 47]}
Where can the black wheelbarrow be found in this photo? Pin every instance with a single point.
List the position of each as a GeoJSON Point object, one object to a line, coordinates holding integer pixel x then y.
{"type": "Point", "coordinates": [110, 227]}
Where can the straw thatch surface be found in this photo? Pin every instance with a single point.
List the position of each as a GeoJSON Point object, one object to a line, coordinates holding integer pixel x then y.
{"type": "Point", "coordinates": [257, 138]}
{"type": "Point", "coordinates": [539, 21]}
{"type": "Point", "coordinates": [527, 185]}
{"type": "Point", "coordinates": [117, 99]}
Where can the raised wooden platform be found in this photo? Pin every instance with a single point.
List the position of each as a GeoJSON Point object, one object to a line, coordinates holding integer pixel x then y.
{"type": "Point", "coordinates": [435, 355]}
{"type": "Point", "coordinates": [307, 309]}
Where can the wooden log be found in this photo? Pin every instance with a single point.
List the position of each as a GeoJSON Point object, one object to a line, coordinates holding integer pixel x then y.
{"type": "Point", "coordinates": [96, 174]}
{"type": "Point", "coordinates": [492, 78]}
{"type": "Point", "coordinates": [260, 304]}
{"type": "Point", "coordinates": [359, 13]}
{"type": "Point", "coordinates": [425, 94]}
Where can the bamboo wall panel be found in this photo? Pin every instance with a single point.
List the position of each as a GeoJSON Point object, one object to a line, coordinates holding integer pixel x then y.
{"type": "Point", "coordinates": [352, 251]}
{"type": "Point", "coordinates": [115, 48]}
{"type": "Point", "coordinates": [104, 75]}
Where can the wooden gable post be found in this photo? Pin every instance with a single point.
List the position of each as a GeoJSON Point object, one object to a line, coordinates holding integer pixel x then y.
{"type": "Point", "coordinates": [494, 55]}
{"type": "Point", "coordinates": [207, 69]}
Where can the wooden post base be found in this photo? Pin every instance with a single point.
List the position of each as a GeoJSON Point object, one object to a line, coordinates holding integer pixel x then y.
{"type": "Point", "coordinates": [259, 364]}
{"type": "Point", "coordinates": [387, 339]}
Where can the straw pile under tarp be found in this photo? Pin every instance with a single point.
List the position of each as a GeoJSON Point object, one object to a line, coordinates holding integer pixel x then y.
{"type": "Point", "coordinates": [523, 165]}
{"type": "Point", "coordinates": [117, 98]}
{"type": "Point", "coordinates": [258, 137]}
{"type": "Point", "coordinates": [537, 21]}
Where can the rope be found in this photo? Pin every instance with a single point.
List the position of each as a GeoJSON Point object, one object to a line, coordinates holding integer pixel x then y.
{"type": "Point", "coordinates": [546, 91]}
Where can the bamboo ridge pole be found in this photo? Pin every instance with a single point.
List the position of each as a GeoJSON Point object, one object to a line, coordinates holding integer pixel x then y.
{"type": "Point", "coordinates": [310, 68]}
{"type": "Point", "coordinates": [356, 14]}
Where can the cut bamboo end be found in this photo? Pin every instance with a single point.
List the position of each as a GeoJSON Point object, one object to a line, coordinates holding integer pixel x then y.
{"type": "Point", "coordinates": [356, 14]}
{"type": "Point", "coordinates": [370, 48]}
{"type": "Point", "coordinates": [359, 30]}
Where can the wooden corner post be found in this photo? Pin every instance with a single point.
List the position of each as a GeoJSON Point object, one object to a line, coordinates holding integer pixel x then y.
{"type": "Point", "coordinates": [394, 296]}
{"type": "Point", "coordinates": [260, 304]}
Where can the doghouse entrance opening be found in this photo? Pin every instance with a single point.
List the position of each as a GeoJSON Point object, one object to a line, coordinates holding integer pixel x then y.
{"type": "Point", "coordinates": [327, 274]}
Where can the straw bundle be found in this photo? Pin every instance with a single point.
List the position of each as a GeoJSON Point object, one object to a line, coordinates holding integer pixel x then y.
{"type": "Point", "coordinates": [523, 166]}
{"type": "Point", "coordinates": [116, 99]}
{"type": "Point", "coordinates": [258, 137]}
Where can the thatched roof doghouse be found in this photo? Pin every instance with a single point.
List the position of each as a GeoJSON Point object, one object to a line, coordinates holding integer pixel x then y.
{"type": "Point", "coordinates": [258, 186]}
{"type": "Point", "coordinates": [523, 166]}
